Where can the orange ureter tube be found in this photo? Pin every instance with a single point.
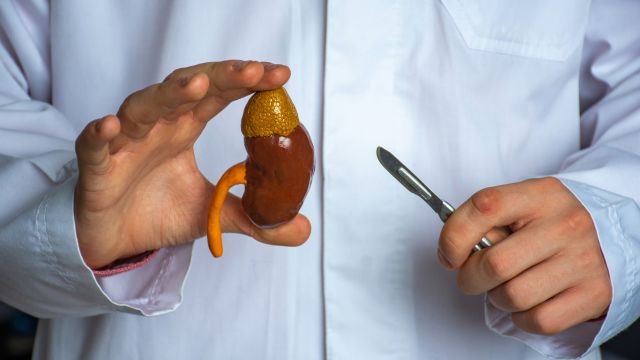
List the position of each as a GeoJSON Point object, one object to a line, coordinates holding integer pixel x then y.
{"type": "Point", "coordinates": [233, 176]}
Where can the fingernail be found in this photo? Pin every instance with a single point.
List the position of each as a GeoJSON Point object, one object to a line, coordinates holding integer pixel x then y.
{"type": "Point", "coordinates": [269, 66]}
{"type": "Point", "coordinates": [98, 125]}
{"type": "Point", "coordinates": [184, 80]}
{"type": "Point", "coordinates": [443, 260]}
{"type": "Point", "coordinates": [239, 65]}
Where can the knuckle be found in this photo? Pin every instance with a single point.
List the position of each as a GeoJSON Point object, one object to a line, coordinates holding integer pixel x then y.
{"type": "Point", "coordinates": [175, 74]}
{"type": "Point", "coordinates": [537, 322]}
{"type": "Point", "coordinates": [496, 266]}
{"type": "Point", "coordinates": [129, 115]}
{"type": "Point", "coordinates": [126, 111]}
{"type": "Point", "coordinates": [588, 260]}
{"type": "Point", "coordinates": [549, 183]}
{"type": "Point", "coordinates": [578, 221]}
{"type": "Point", "coordinates": [515, 296]}
{"type": "Point", "coordinates": [129, 102]}
{"type": "Point", "coordinates": [486, 200]}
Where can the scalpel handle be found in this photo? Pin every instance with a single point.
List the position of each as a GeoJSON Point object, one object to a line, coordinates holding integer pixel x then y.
{"type": "Point", "coordinates": [483, 244]}
{"type": "Point", "coordinates": [447, 210]}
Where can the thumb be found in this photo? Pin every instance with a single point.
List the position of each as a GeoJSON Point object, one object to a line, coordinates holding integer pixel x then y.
{"type": "Point", "coordinates": [233, 219]}
{"type": "Point", "coordinates": [92, 146]}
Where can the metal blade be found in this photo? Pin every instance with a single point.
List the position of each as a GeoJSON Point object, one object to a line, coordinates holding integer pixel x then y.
{"type": "Point", "coordinates": [399, 171]}
{"type": "Point", "coordinates": [392, 165]}
{"type": "Point", "coordinates": [413, 184]}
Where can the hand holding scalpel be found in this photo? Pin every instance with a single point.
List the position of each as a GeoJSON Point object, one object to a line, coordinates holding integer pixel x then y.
{"type": "Point", "coordinates": [413, 184]}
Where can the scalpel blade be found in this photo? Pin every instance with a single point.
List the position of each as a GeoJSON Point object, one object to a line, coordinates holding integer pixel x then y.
{"type": "Point", "coordinates": [399, 171]}
{"type": "Point", "coordinates": [416, 186]}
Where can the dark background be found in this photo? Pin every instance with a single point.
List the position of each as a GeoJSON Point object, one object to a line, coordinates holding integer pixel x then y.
{"type": "Point", "coordinates": [17, 330]}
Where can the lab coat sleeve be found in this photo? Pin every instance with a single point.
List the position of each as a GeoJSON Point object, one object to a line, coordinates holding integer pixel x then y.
{"type": "Point", "coordinates": [41, 269]}
{"type": "Point", "coordinates": [604, 175]}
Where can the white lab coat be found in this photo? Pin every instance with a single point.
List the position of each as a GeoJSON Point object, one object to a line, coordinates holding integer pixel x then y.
{"type": "Point", "coordinates": [468, 93]}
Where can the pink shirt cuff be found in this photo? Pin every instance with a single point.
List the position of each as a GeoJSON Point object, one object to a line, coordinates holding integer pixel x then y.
{"type": "Point", "coordinates": [124, 265]}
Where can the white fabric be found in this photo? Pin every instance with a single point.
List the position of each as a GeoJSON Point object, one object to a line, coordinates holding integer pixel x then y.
{"type": "Point", "coordinates": [468, 93]}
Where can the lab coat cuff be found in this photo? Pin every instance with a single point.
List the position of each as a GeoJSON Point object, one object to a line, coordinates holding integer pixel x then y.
{"type": "Point", "coordinates": [152, 289]}
{"type": "Point", "coordinates": [615, 218]}
{"type": "Point", "coordinates": [123, 265]}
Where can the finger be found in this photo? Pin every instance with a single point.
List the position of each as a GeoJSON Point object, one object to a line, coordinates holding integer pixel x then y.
{"type": "Point", "coordinates": [92, 145]}
{"type": "Point", "coordinates": [275, 76]}
{"type": "Point", "coordinates": [535, 285]}
{"type": "Point", "coordinates": [232, 80]}
{"type": "Point", "coordinates": [571, 307]}
{"type": "Point", "coordinates": [142, 109]}
{"type": "Point", "coordinates": [495, 235]}
{"type": "Point", "coordinates": [234, 220]}
{"type": "Point", "coordinates": [487, 209]}
{"type": "Point", "coordinates": [509, 258]}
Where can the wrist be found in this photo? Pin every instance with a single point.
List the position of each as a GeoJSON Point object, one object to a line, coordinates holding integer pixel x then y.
{"type": "Point", "coordinates": [95, 241]}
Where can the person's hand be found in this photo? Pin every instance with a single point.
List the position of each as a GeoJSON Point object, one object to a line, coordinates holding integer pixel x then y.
{"type": "Point", "coordinates": [139, 187]}
{"type": "Point", "coordinates": [550, 273]}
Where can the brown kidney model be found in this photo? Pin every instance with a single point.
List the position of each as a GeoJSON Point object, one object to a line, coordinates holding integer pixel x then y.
{"type": "Point", "coordinates": [278, 169]}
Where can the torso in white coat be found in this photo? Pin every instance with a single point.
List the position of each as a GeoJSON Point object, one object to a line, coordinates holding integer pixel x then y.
{"type": "Point", "coordinates": [468, 94]}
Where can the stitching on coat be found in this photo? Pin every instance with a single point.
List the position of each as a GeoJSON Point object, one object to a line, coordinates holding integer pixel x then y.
{"type": "Point", "coordinates": [630, 260]}
{"type": "Point", "coordinates": [614, 217]}
{"type": "Point", "coordinates": [155, 288]}
{"type": "Point", "coordinates": [56, 262]}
